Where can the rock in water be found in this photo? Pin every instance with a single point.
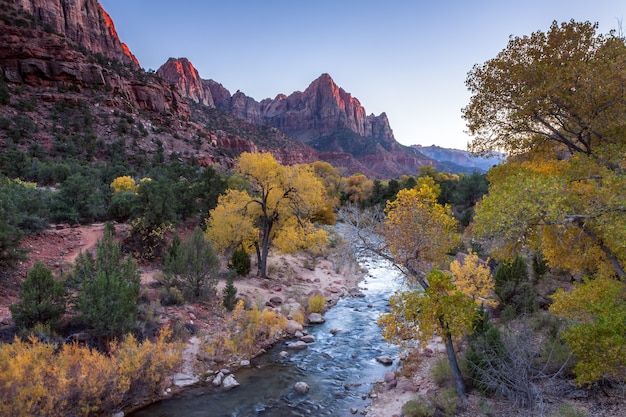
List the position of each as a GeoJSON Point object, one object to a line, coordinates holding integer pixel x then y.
{"type": "Point", "coordinates": [230, 382]}
{"type": "Point", "coordinates": [299, 345]}
{"type": "Point", "coordinates": [385, 360]}
{"type": "Point", "coordinates": [301, 387]}
{"type": "Point", "coordinates": [316, 318]}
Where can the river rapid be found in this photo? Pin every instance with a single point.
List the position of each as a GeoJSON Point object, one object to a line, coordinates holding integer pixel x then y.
{"type": "Point", "coordinates": [340, 366]}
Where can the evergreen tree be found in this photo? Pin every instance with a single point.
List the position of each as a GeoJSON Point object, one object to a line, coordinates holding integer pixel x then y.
{"type": "Point", "coordinates": [230, 293]}
{"type": "Point", "coordinates": [240, 262]}
{"type": "Point", "coordinates": [192, 266]}
{"type": "Point", "coordinates": [42, 300]}
{"type": "Point", "coordinates": [108, 297]}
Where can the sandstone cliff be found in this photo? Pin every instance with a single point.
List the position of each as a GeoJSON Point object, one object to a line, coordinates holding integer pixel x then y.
{"type": "Point", "coordinates": [84, 22]}
{"type": "Point", "coordinates": [55, 50]}
{"type": "Point", "coordinates": [182, 73]}
{"type": "Point", "coordinates": [323, 116]}
{"type": "Point", "coordinates": [322, 108]}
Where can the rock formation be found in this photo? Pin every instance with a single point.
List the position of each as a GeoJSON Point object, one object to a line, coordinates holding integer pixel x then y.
{"type": "Point", "coordinates": [182, 73]}
{"type": "Point", "coordinates": [306, 116]}
{"type": "Point", "coordinates": [84, 22]}
{"type": "Point", "coordinates": [323, 116]}
{"type": "Point", "coordinates": [61, 56]}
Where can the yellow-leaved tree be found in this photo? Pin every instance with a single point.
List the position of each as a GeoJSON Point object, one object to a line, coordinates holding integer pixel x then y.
{"type": "Point", "coordinates": [124, 183]}
{"type": "Point", "coordinates": [555, 102]}
{"type": "Point", "coordinates": [277, 210]}
{"type": "Point", "coordinates": [473, 278]}
{"type": "Point", "coordinates": [419, 232]}
{"type": "Point", "coordinates": [596, 311]}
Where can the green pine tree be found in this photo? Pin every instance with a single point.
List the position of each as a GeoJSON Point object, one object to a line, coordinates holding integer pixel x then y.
{"type": "Point", "coordinates": [42, 300]}
{"type": "Point", "coordinates": [108, 297]}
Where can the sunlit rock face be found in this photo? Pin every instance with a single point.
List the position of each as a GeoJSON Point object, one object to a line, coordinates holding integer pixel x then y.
{"type": "Point", "coordinates": [306, 116]}
{"type": "Point", "coordinates": [84, 22]}
{"type": "Point", "coordinates": [323, 116]}
{"type": "Point", "coordinates": [184, 75]}
{"type": "Point", "coordinates": [322, 108]}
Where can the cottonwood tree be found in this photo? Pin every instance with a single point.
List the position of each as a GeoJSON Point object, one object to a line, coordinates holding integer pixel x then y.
{"type": "Point", "coordinates": [557, 99]}
{"type": "Point", "coordinates": [555, 102]}
{"type": "Point", "coordinates": [439, 308]}
{"type": "Point", "coordinates": [560, 90]}
{"type": "Point", "coordinates": [276, 212]}
{"type": "Point", "coordinates": [596, 311]}
{"type": "Point", "coordinates": [417, 234]}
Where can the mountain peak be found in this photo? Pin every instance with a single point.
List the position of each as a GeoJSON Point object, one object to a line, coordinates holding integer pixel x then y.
{"type": "Point", "coordinates": [182, 73]}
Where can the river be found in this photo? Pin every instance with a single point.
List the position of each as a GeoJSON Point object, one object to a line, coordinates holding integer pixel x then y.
{"type": "Point", "coordinates": [340, 366]}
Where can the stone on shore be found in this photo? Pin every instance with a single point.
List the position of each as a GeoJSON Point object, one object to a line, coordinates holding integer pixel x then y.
{"type": "Point", "coordinates": [293, 327]}
{"type": "Point", "coordinates": [184, 380]}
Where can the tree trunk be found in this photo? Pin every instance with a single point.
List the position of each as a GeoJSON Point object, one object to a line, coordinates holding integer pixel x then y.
{"type": "Point", "coordinates": [260, 267]}
{"type": "Point", "coordinates": [264, 249]}
{"type": "Point", "coordinates": [454, 367]}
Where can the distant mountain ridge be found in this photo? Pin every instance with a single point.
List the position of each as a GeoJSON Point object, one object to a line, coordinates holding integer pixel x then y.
{"type": "Point", "coordinates": [460, 158]}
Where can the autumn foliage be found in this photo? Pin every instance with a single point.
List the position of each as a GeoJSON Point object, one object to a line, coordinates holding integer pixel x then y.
{"type": "Point", "coordinates": [38, 379]}
{"type": "Point", "coordinates": [277, 211]}
{"type": "Point", "coordinates": [248, 331]}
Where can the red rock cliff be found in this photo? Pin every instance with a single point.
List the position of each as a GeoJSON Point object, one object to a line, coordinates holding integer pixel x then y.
{"type": "Point", "coordinates": [84, 22]}
{"type": "Point", "coordinates": [182, 73]}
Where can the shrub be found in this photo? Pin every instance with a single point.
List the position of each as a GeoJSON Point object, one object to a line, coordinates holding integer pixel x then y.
{"type": "Point", "coordinates": [171, 296]}
{"type": "Point", "coordinates": [240, 262]}
{"type": "Point", "coordinates": [42, 299]}
{"type": "Point", "coordinates": [513, 286]}
{"type": "Point", "coordinates": [108, 295]}
{"type": "Point", "coordinates": [41, 379]}
{"type": "Point", "coordinates": [249, 329]}
{"type": "Point", "coordinates": [568, 410]}
{"type": "Point", "coordinates": [417, 408]}
{"type": "Point", "coordinates": [441, 373]}
{"type": "Point", "coordinates": [193, 265]}
{"type": "Point", "coordinates": [317, 303]}
{"type": "Point", "coordinates": [121, 206]}
{"type": "Point", "coordinates": [229, 293]}
{"type": "Point", "coordinates": [445, 401]}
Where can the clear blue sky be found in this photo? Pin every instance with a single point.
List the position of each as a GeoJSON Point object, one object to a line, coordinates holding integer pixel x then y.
{"type": "Point", "coordinates": [407, 58]}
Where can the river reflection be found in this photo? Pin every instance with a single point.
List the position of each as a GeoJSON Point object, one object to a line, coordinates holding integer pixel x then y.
{"type": "Point", "coordinates": [340, 366]}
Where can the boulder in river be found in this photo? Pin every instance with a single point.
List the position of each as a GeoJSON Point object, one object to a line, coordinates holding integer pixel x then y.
{"type": "Point", "coordinates": [230, 382]}
{"type": "Point", "coordinates": [299, 345]}
{"type": "Point", "coordinates": [301, 387]}
{"type": "Point", "coordinates": [308, 338]}
{"type": "Point", "coordinates": [385, 360]}
{"type": "Point", "coordinates": [316, 318]}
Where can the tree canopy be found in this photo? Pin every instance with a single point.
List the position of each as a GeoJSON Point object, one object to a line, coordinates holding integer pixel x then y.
{"type": "Point", "coordinates": [555, 102]}
{"type": "Point", "coordinates": [418, 230]}
{"type": "Point", "coordinates": [277, 210]}
{"type": "Point", "coordinates": [562, 91]}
